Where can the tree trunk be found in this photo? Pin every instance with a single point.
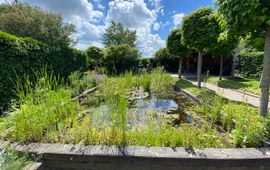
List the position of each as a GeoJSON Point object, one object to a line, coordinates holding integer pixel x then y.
{"type": "Point", "coordinates": [221, 67]}
{"type": "Point", "coordinates": [180, 68]}
{"type": "Point", "coordinates": [265, 78]}
{"type": "Point", "coordinates": [235, 54]}
{"type": "Point", "coordinates": [199, 69]}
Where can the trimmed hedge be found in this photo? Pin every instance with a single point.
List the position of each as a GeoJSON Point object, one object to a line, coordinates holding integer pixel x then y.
{"type": "Point", "coordinates": [250, 64]}
{"type": "Point", "coordinates": [22, 56]}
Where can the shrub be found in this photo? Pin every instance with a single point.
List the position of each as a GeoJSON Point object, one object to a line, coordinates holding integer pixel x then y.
{"type": "Point", "coordinates": [165, 59]}
{"type": "Point", "coordinates": [95, 55]}
{"type": "Point", "coordinates": [21, 56]}
{"type": "Point", "coordinates": [250, 64]}
{"type": "Point", "coordinates": [120, 58]}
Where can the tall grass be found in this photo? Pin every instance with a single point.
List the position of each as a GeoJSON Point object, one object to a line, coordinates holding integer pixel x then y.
{"type": "Point", "coordinates": [46, 114]}
{"type": "Point", "coordinates": [244, 126]}
{"type": "Point", "coordinates": [43, 107]}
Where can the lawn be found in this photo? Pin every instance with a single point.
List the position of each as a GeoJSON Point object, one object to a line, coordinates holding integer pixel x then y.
{"type": "Point", "coordinates": [238, 83]}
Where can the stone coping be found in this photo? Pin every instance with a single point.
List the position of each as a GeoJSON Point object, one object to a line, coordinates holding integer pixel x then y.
{"type": "Point", "coordinates": [142, 151]}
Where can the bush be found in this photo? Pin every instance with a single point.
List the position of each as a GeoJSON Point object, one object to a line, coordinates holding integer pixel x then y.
{"type": "Point", "coordinates": [22, 56]}
{"type": "Point", "coordinates": [120, 58]}
{"type": "Point", "coordinates": [95, 55]}
{"type": "Point", "coordinates": [250, 64]}
{"type": "Point", "coordinates": [165, 59]}
{"type": "Point", "coordinates": [147, 64]}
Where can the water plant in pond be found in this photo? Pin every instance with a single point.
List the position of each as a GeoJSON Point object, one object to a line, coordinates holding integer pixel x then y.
{"type": "Point", "coordinates": [244, 126]}
{"type": "Point", "coordinates": [129, 109]}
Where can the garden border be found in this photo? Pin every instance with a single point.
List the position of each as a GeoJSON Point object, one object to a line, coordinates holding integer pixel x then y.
{"type": "Point", "coordinates": [68, 156]}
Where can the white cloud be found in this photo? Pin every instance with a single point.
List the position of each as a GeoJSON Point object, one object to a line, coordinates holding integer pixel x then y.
{"type": "Point", "coordinates": [69, 8]}
{"type": "Point", "coordinates": [79, 12]}
{"type": "Point", "coordinates": [178, 18]}
{"type": "Point", "coordinates": [6, 1]}
{"type": "Point", "coordinates": [90, 21]}
{"type": "Point", "coordinates": [136, 15]}
{"type": "Point", "coordinates": [156, 26]}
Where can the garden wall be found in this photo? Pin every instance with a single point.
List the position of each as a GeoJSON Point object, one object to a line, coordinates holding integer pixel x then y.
{"type": "Point", "coordinates": [59, 156]}
{"type": "Point", "coordinates": [22, 56]}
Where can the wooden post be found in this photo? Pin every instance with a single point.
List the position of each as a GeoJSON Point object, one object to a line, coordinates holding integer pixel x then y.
{"type": "Point", "coordinates": [199, 69]}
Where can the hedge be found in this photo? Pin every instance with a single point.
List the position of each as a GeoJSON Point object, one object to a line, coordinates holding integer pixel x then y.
{"type": "Point", "coordinates": [250, 64]}
{"type": "Point", "coordinates": [22, 56]}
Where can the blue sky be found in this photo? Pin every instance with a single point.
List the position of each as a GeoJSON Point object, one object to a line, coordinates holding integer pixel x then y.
{"type": "Point", "coordinates": [152, 19]}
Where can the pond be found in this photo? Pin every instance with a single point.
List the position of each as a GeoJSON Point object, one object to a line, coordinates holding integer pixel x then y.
{"type": "Point", "coordinates": [171, 107]}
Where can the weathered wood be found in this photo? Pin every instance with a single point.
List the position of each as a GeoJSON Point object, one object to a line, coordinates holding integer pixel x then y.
{"type": "Point", "coordinates": [85, 93]}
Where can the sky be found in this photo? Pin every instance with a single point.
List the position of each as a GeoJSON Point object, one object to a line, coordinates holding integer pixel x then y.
{"type": "Point", "coordinates": [152, 19]}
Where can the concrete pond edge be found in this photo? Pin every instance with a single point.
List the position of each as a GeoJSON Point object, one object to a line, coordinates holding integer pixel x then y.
{"type": "Point", "coordinates": [69, 156]}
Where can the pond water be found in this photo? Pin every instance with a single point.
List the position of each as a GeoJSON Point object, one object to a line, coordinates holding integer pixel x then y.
{"type": "Point", "coordinates": [139, 110]}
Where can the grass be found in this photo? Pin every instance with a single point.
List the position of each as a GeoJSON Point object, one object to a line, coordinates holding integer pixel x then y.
{"type": "Point", "coordinates": [244, 125]}
{"type": "Point", "coordinates": [239, 83]}
{"type": "Point", "coordinates": [46, 114]}
{"type": "Point", "coordinates": [10, 159]}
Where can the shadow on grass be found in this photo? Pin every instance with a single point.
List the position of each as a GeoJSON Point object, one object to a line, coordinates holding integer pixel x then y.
{"type": "Point", "coordinates": [205, 94]}
{"type": "Point", "coordinates": [233, 83]}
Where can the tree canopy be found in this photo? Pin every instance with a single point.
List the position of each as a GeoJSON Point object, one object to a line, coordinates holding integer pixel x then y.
{"type": "Point", "coordinates": [162, 53]}
{"type": "Point", "coordinates": [227, 40]}
{"type": "Point", "coordinates": [244, 17]}
{"type": "Point", "coordinates": [117, 34]}
{"type": "Point", "coordinates": [95, 54]}
{"type": "Point", "coordinates": [26, 21]}
{"type": "Point", "coordinates": [200, 29]}
{"type": "Point", "coordinates": [119, 58]}
{"type": "Point", "coordinates": [174, 44]}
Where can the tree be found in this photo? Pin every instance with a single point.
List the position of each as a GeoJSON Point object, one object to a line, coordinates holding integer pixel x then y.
{"type": "Point", "coordinates": [200, 30]}
{"type": "Point", "coordinates": [117, 34]}
{"type": "Point", "coordinates": [176, 48]}
{"type": "Point", "coordinates": [95, 55]}
{"type": "Point", "coordinates": [163, 58]}
{"type": "Point", "coordinates": [243, 17]}
{"type": "Point", "coordinates": [227, 42]}
{"type": "Point", "coordinates": [225, 45]}
{"type": "Point", "coordinates": [119, 58]}
{"type": "Point", "coordinates": [26, 21]}
{"type": "Point", "coordinates": [255, 40]}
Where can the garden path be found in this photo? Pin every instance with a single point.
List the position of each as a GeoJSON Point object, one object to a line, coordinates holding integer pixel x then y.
{"type": "Point", "coordinates": [230, 94]}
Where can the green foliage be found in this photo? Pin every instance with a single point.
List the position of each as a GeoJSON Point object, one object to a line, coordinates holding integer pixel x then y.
{"type": "Point", "coordinates": [26, 21]}
{"type": "Point", "coordinates": [80, 82]}
{"type": "Point", "coordinates": [119, 58]}
{"type": "Point", "coordinates": [255, 40]}
{"type": "Point", "coordinates": [200, 29]}
{"type": "Point", "coordinates": [250, 64]}
{"type": "Point", "coordinates": [174, 44]}
{"type": "Point", "coordinates": [22, 56]}
{"type": "Point", "coordinates": [244, 130]}
{"type": "Point", "coordinates": [165, 59]}
{"type": "Point", "coordinates": [95, 55]}
{"type": "Point", "coordinates": [45, 107]}
{"type": "Point", "coordinates": [47, 114]}
{"type": "Point", "coordinates": [10, 159]}
{"type": "Point", "coordinates": [226, 42]}
{"type": "Point", "coordinates": [240, 83]}
{"type": "Point", "coordinates": [146, 64]}
{"type": "Point", "coordinates": [117, 34]}
{"type": "Point", "coordinates": [244, 16]}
